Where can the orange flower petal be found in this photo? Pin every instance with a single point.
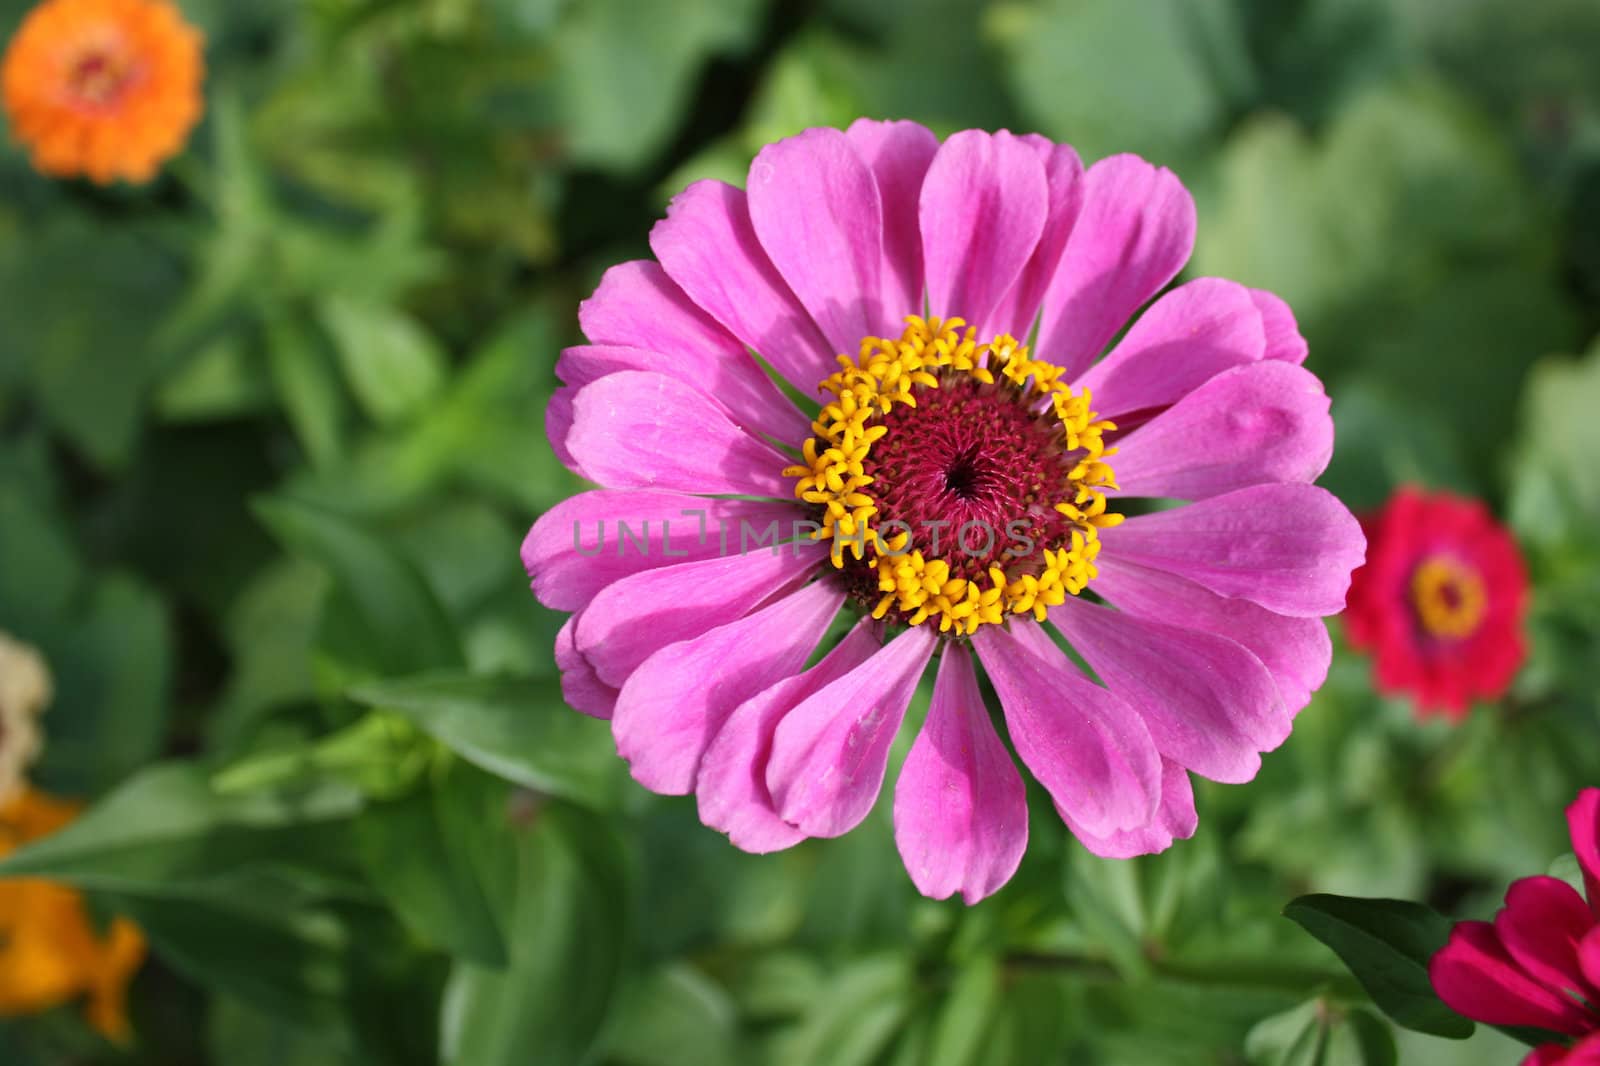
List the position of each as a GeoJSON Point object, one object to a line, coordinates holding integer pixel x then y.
{"type": "Point", "coordinates": [104, 89]}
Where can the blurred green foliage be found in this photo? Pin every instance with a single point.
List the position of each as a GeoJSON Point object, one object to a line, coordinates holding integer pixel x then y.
{"type": "Point", "coordinates": [271, 430]}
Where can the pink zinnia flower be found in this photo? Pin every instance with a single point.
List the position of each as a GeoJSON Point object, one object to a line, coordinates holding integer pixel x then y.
{"type": "Point", "coordinates": [1440, 601]}
{"type": "Point", "coordinates": [951, 488]}
{"type": "Point", "coordinates": [1538, 963]}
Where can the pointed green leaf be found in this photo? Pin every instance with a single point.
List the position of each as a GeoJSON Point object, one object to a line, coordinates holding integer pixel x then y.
{"type": "Point", "coordinates": [1387, 944]}
{"type": "Point", "coordinates": [390, 617]}
{"type": "Point", "coordinates": [567, 937]}
{"type": "Point", "coordinates": [520, 730]}
{"type": "Point", "coordinates": [426, 870]}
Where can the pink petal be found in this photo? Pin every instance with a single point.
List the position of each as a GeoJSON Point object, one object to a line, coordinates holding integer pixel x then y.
{"type": "Point", "coordinates": [732, 786]}
{"type": "Point", "coordinates": [632, 619]}
{"type": "Point", "coordinates": [637, 305]}
{"type": "Point", "coordinates": [587, 541]}
{"type": "Point", "coordinates": [581, 687]}
{"type": "Point", "coordinates": [898, 153]}
{"type": "Point", "coordinates": [1133, 235]}
{"type": "Point", "coordinates": [815, 207]}
{"type": "Point", "coordinates": [737, 382]}
{"type": "Point", "coordinates": [637, 430]}
{"type": "Point", "coordinates": [1259, 423]}
{"type": "Point", "coordinates": [1475, 977]}
{"type": "Point", "coordinates": [1090, 750]}
{"type": "Point", "coordinates": [1175, 819]}
{"type": "Point", "coordinates": [1540, 926]}
{"type": "Point", "coordinates": [983, 208]}
{"type": "Point", "coordinates": [960, 809]}
{"type": "Point", "coordinates": [829, 754]}
{"type": "Point", "coordinates": [1036, 639]}
{"type": "Point", "coordinates": [558, 423]}
{"type": "Point", "coordinates": [1583, 822]}
{"type": "Point", "coordinates": [1297, 651]}
{"type": "Point", "coordinates": [1585, 1052]}
{"type": "Point", "coordinates": [1209, 703]}
{"type": "Point", "coordinates": [1283, 332]}
{"type": "Point", "coordinates": [1290, 548]}
{"type": "Point", "coordinates": [708, 245]}
{"type": "Point", "coordinates": [1589, 957]}
{"type": "Point", "coordinates": [674, 704]}
{"type": "Point", "coordinates": [1548, 1055]}
{"type": "Point", "coordinates": [1191, 334]}
{"type": "Point", "coordinates": [1063, 172]}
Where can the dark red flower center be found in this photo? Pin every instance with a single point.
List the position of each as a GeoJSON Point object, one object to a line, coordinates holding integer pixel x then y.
{"type": "Point", "coordinates": [956, 480]}
{"type": "Point", "coordinates": [100, 76]}
{"type": "Point", "coordinates": [972, 473]}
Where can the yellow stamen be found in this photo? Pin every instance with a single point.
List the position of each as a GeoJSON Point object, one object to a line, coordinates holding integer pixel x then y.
{"type": "Point", "coordinates": [1449, 597]}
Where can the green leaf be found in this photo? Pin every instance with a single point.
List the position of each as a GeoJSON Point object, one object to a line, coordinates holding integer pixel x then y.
{"type": "Point", "coordinates": [1362, 1040]}
{"type": "Point", "coordinates": [1267, 225]}
{"type": "Point", "coordinates": [1566, 868]}
{"type": "Point", "coordinates": [964, 1020]}
{"type": "Point", "coordinates": [113, 674]}
{"type": "Point", "coordinates": [289, 962]}
{"type": "Point", "coordinates": [393, 366]}
{"type": "Point", "coordinates": [1296, 1037]}
{"type": "Point", "coordinates": [1386, 944]}
{"type": "Point", "coordinates": [166, 831]}
{"type": "Point", "coordinates": [269, 629]}
{"type": "Point", "coordinates": [225, 379]}
{"type": "Point", "coordinates": [39, 568]}
{"type": "Point", "coordinates": [1317, 1033]}
{"type": "Point", "coordinates": [244, 1036]}
{"type": "Point", "coordinates": [1106, 900]}
{"type": "Point", "coordinates": [884, 51]}
{"type": "Point", "coordinates": [619, 114]}
{"type": "Point", "coordinates": [1494, 320]}
{"type": "Point", "coordinates": [1385, 442]}
{"type": "Point", "coordinates": [484, 433]}
{"type": "Point", "coordinates": [1147, 76]}
{"type": "Point", "coordinates": [1562, 438]}
{"type": "Point", "coordinates": [307, 386]}
{"type": "Point", "coordinates": [397, 625]}
{"type": "Point", "coordinates": [80, 301]}
{"type": "Point", "coordinates": [672, 1016]}
{"type": "Point", "coordinates": [381, 756]}
{"type": "Point", "coordinates": [231, 249]}
{"type": "Point", "coordinates": [487, 431]}
{"type": "Point", "coordinates": [1404, 186]}
{"type": "Point", "coordinates": [567, 935]}
{"type": "Point", "coordinates": [1321, 51]}
{"type": "Point", "coordinates": [427, 870]}
{"type": "Point", "coordinates": [519, 730]}
{"type": "Point", "coordinates": [856, 1017]}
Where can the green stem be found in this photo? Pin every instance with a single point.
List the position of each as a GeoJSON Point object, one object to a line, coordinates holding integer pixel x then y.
{"type": "Point", "coordinates": [1263, 974]}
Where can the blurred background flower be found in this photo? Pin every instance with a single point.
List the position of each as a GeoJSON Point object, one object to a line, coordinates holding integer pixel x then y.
{"type": "Point", "coordinates": [24, 695]}
{"type": "Point", "coordinates": [102, 88]}
{"type": "Point", "coordinates": [1441, 601]}
{"type": "Point", "coordinates": [51, 951]}
{"type": "Point", "coordinates": [270, 435]}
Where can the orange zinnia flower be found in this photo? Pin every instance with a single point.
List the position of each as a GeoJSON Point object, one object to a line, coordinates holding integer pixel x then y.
{"type": "Point", "coordinates": [103, 88]}
{"type": "Point", "coordinates": [50, 951]}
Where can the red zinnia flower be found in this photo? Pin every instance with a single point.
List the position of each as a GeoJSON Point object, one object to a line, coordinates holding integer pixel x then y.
{"type": "Point", "coordinates": [1538, 963]}
{"type": "Point", "coordinates": [1440, 600]}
